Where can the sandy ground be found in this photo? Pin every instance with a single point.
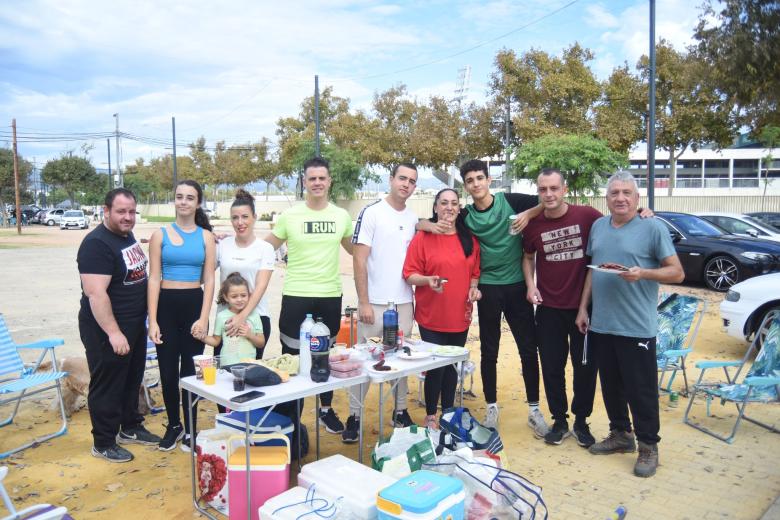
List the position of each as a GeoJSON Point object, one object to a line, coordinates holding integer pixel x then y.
{"type": "Point", "coordinates": [700, 477]}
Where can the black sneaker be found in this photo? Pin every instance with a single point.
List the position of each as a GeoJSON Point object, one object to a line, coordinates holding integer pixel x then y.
{"type": "Point", "coordinates": [138, 435]}
{"type": "Point", "coordinates": [402, 419]}
{"type": "Point", "coordinates": [173, 434]}
{"type": "Point", "coordinates": [558, 432]}
{"type": "Point", "coordinates": [331, 421]}
{"type": "Point", "coordinates": [351, 433]}
{"type": "Point", "coordinates": [185, 443]}
{"type": "Point", "coordinates": [113, 454]}
{"type": "Point", "coordinates": [582, 433]}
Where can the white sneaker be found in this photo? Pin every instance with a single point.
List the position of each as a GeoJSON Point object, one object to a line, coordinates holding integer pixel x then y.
{"type": "Point", "coordinates": [537, 424]}
{"type": "Point", "coordinates": [491, 416]}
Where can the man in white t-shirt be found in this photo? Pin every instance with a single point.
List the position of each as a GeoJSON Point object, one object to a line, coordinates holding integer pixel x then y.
{"type": "Point", "coordinates": [382, 235]}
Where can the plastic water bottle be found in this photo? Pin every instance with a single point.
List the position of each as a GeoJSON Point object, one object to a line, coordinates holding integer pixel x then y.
{"type": "Point", "coordinates": [320, 352]}
{"type": "Point", "coordinates": [304, 347]}
{"type": "Point", "coordinates": [390, 327]}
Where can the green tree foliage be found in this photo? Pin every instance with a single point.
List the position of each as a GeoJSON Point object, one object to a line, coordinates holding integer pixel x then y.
{"type": "Point", "coordinates": [74, 175]}
{"type": "Point", "coordinates": [585, 161]}
{"type": "Point", "coordinates": [740, 43]}
{"type": "Point", "coordinates": [619, 117]}
{"type": "Point", "coordinates": [549, 94]}
{"type": "Point", "coordinates": [689, 111]}
{"type": "Point", "coordinates": [347, 170]}
{"type": "Point", "coordinates": [7, 187]}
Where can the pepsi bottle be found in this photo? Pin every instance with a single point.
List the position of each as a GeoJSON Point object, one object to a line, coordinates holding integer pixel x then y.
{"type": "Point", "coordinates": [319, 343]}
{"type": "Point", "coordinates": [390, 327]}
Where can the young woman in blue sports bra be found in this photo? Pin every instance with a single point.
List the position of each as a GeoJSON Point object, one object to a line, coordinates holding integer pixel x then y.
{"type": "Point", "coordinates": [182, 258]}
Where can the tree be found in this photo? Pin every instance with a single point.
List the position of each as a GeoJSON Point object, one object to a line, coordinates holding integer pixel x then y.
{"type": "Point", "coordinates": [73, 174]}
{"type": "Point", "coordinates": [619, 115]}
{"type": "Point", "coordinates": [7, 186]}
{"type": "Point", "coordinates": [585, 161]}
{"type": "Point", "coordinates": [549, 94]}
{"type": "Point", "coordinates": [347, 170]}
{"type": "Point", "coordinates": [740, 44]}
{"type": "Point", "coordinates": [689, 111]}
{"type": "Point", "coordinates": [253, 162]}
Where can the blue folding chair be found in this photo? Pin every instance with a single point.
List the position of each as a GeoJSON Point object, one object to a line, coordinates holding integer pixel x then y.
{"type": "Point", "coordinates": [761, 384]}
{"type": "Point", "coordinates": [676, 316]}
{"type": "Point", "coordinates": [154, 380]}
{"type": "Point", "coordinates": [18, 382]}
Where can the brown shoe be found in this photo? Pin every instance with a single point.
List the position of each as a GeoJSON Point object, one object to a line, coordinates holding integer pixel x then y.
{"type": "Point", "coordinates": [647, 462]}
{"type": "Point", "coordinates": [616, 442]}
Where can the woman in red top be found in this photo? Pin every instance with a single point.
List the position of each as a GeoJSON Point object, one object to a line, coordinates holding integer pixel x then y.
{"type": "Point", "coordinates": [445, 269]}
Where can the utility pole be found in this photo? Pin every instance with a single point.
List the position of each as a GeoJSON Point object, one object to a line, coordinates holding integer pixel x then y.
{"type": "Point", "coordinates": [507, 184]}
{"type": "Point", "coordinates": [119, 182]}
{"type": "Point", "coordinates": [16, 183]}
{"type": "Point", "coordinates": [651, 118]}
{"type": "Point", "coordinates": [110, 176]}
{"type": "Point", "coordinates": [173, 127]}
{"type": "Point", "coordinates": [317, 115]}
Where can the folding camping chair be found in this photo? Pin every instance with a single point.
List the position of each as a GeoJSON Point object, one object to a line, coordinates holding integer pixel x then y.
{"type": "Point", "coordinates": [151, 379]}
{"type": "Point", "coordinates": [676, 315]}
{"type": "Point", "coordinates": [22, 382]}
{"type": "Point", "coordinates": [38, 512]}
{"type": "Point", "coordinates": [761, 384]}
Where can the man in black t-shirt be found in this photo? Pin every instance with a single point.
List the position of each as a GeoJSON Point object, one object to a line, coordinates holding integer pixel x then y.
{"type": "Point", "coordinates": [112, 325]}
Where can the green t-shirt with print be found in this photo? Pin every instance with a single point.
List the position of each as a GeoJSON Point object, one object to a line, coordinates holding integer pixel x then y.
{"type": "Point", "coordinates": [236, 348]}
{"type": "Point", "coordinates": [501, 253]}
{"type": "Point", "coordinates": [313, 241]}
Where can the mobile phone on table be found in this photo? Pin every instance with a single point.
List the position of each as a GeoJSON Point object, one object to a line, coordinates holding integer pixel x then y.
{"type": "Point", "coordinates": [242, 398]}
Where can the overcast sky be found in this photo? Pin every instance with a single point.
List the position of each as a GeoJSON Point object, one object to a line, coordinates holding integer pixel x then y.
{"type": "Point", "coordinates": [228, 70]}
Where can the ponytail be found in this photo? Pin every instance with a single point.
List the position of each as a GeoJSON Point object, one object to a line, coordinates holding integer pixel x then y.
{"type": "Point", "coordinates": [202, 220]}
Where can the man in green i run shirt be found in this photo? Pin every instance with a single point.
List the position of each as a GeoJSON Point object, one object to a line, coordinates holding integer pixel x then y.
{"type": "Point", "coordinates": [502, 285]}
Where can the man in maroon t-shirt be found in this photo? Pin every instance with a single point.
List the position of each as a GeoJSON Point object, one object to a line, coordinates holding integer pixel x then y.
{"type": "Point", "coordinates": [554, 245]}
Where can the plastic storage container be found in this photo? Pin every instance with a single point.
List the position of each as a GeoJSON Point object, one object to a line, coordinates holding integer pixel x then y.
{"type": "Point", "coordinates": [422, 495]}
{"type": "Point", "coordinates": [269, 472]}
{"type": "Point", "coordinates": [345, 368]}
{"type": "Point", "coordinates": [337, 476]}
{"type": "Point", "coordinates": [298, 503]}
{"type": "Point", "coordinates": [273, 423]}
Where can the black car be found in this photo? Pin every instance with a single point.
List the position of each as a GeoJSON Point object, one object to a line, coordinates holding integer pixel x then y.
{"type": "Point", "coordinates": [711, 255]}
{"type": "Point", "coordinates": [767, 217]}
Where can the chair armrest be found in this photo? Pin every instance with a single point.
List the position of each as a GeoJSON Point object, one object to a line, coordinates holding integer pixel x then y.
{"type": "Point", "coordinates": [677, 353]}
{"type": "Point", "coordinates": [717, 364]}
{"type": "Point", "coordinates": [762, 381]}
{"type": "Point", "coordinates": [44, 343]}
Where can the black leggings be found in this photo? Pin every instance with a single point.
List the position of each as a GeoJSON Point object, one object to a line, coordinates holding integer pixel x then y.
{"type": "Point", "coordinates": [444, 380]}
{"type": "Point", "coordinates": [177, 310]}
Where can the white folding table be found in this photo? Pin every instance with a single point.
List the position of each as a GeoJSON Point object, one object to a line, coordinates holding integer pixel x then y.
{"type": "Point", "coordinates": [298, 387]}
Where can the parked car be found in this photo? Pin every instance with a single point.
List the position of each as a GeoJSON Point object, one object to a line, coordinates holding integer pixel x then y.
{"type": "Point", "coordinates": [38, 217]}
{"type": "Point", "coordinates": [748, 303]}
{"type": "Point", "coordinates": [742, 225]}
{"type": "Point", "coordinates": [28, 212]}
{"type": "Point", "coordinates": [719, 259]}
{"type": "Point", "coordinates": [53, 216]}
{"type": "Point", "coordinates": [74, 218]}
{"type": "Point", "coordinates": [767, 217]}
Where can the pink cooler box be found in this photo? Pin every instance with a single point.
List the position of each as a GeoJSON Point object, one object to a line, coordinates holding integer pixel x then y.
{"type": "Point", "coordinates": [269, 471]}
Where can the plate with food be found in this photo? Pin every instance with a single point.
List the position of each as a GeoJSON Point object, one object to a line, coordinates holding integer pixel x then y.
{"type": "Point", "coordinates": [381, 367]}
{"type": "Point", "coordinates": [448, 351]}
{"type": "Point", "coordinates": [412, 355]}
{"type": "Point", "coordinates": [609, 268]}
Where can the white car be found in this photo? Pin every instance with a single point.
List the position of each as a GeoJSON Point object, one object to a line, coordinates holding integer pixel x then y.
{"type": "Point", "coordinates": [742, 225]}
{"type": "Point", "coordinates": [748, 303]}
{"type": "Point", "coordinates": [74, 218]}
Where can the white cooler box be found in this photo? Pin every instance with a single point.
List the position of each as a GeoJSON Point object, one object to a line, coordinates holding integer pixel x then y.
{"type": "Point", "coordinates": [296, 503]}
{"type": "Point", "coordinates": [337, 476]}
